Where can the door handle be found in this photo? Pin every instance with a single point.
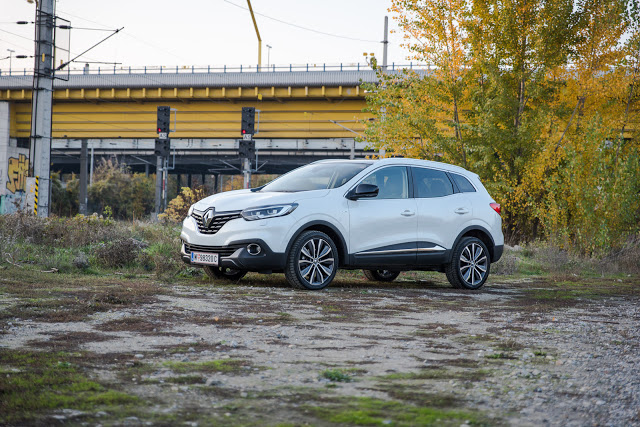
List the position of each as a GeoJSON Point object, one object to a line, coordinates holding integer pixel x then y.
{"type": "Point", "coordinates": [462, 211]}
{"type": "Point", "coordinates": [408, 213]}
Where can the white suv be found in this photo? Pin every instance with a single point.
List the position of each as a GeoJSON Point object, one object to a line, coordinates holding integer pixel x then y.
{"type": "Point", "coordinates": [383, 216]}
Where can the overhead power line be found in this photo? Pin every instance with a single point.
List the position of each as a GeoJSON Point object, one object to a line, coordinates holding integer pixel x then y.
{"type": "Point", "coordinates": [304, 28]}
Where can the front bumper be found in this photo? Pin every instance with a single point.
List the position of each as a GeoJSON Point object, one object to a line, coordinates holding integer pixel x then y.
{"type": "Point", "coordinates": [236, 256]}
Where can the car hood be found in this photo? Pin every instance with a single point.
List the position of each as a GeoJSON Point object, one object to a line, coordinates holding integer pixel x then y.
{"type": "Point", "coordinates": [243, 199]}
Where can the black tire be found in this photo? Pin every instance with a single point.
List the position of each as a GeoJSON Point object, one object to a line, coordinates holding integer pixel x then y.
{"type": "Point", "coordinates": [312, 262]}
{"type": "Point", "coordinates": [224, 273]}
{"type": "Point", "coordinates": [381, 275]}
{"type": "Point", "coordinates": [470, 264]}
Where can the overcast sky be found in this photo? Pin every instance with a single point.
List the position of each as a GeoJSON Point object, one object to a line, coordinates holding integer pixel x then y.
{"type": "Point", "coordinates": [209, 32]}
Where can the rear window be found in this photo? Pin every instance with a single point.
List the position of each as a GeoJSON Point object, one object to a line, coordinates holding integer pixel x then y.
{"type": "Point", "coordinates": [431, 183]}
{"type": "Point", "coordinates": [463, 184]}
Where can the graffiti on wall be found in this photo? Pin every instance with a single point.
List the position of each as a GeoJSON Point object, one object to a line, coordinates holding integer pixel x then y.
{"type": "Point", "coordinates": [17, 173]}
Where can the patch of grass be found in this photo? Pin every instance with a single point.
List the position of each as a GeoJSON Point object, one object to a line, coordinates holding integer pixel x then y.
{"type": "Point", "coordinates": [411, 393]}
{"type": "Point", "coordinates": [438, 374]}
{"type": "Point", "coordinates": [500, 356]}
{"type": "Point", "coordinates": [225, 365]}
{"type": "Point", "coordinates": [56, 297]}
{"type": "Point", "coordinates": [369, 411]}
{"type": "Point", "coordinates": [187, 379]}
{"type": "Point", "coordinates": [510, 345]}
{"type": "Point", "coordinates": [132, 324]}
{"type": "Point", "coordinates": [285, 317]}
{"type": "Point", "coordinates": [36, 382]}
{"type": "Point", "coordinates": [437, 330]}
{"type": "Point", "coordinates": [336, 375]}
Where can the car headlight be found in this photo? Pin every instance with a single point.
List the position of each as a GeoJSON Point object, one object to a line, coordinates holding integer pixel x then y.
{"type": "Point", "coordinates": [264, 212]}
{"type": "Point", "coordinates": [190, 210]}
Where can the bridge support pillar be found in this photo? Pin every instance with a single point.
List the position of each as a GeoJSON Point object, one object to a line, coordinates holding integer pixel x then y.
{"type": "Point", "coordinates": [14, 167]}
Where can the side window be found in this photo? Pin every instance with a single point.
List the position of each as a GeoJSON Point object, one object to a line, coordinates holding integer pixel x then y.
{"type": "Point", "coordinates": [431, 183]}
{"type": "Point", "coordinates": [392, 182]}
{"type": "Point", "coordinates": [463, 183]}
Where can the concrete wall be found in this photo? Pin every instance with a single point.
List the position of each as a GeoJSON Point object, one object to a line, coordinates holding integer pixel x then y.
{"type": "Point", "coordinates": [14, 167]}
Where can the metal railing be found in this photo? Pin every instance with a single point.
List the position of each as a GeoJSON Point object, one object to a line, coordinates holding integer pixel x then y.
{"type": "Point", "coordinates": [161, 69]}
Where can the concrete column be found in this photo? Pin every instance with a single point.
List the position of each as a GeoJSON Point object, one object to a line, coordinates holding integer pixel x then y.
{"type": "Point", "coordinates": [4, 152]}
{"type": "Point", "coordinates": [14, 167]}
{"type": "Point", "coordinates": [84, 178]}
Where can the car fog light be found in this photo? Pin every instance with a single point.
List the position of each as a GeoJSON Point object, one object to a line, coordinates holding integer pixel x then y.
{"type": "Point", "coordinates": [254, 249]}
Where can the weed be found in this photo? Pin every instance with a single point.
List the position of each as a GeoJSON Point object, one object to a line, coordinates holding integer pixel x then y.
{"type": "Point", "coordinates": [118, 253]}
{"type": "Point", "coordinates": [336, 375]}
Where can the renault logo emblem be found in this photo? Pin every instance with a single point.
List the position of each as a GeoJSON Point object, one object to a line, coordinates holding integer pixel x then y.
{"type": "Point", "coordinates": [207, 219]}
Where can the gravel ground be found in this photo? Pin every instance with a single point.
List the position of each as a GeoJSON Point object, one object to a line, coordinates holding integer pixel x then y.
{"type": "Point", "coordinates": [530, 351]}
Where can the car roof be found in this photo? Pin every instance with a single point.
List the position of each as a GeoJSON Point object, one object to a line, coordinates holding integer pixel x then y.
{"type": "Point", "coordinates": [404, 161]}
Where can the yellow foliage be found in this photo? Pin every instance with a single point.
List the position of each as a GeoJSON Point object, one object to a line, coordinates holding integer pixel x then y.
{"type": "Point", "coordinates": [178, 208]}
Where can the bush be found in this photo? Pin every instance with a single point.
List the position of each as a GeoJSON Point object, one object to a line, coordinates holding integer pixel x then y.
{"type": "Point", "coordinates": [60, 232]}
{"type": "Point", "coordinates": [119, 253]}
{"type": "Point", "coordinates": [179, 207]}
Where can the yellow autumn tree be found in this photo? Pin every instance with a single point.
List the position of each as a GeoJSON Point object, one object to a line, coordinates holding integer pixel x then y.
{"type": "Point", "coordinates": [538, 97]}
{"type": "Point", "coordinates": [418, 114]}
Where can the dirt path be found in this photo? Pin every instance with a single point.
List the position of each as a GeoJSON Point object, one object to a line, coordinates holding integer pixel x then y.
{"type": "Point", "coordinates": [519, 352]}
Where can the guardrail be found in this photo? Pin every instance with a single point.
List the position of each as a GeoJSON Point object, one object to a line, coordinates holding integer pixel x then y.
{"type": "Point", "coordinates": [224, 69]}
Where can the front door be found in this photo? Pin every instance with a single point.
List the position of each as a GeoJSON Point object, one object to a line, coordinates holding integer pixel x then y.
{"type": "Point", "coordinates": [383, 229]}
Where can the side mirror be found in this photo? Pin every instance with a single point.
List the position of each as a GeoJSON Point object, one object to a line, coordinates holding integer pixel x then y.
{"type": "Point", "coordinates": [363, 191]}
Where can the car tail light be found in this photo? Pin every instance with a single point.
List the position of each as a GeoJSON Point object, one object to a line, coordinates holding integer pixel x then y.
{"type": "Point", "coordinates": [495, 207]}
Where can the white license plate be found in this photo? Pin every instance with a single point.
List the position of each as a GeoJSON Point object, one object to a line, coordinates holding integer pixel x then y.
{"type": "Point", "coordinates": [204, 258]}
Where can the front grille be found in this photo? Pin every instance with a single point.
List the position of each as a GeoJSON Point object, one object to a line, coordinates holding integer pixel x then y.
{"type": "Point", "coordinates": [223, 251]}
{"type": "Point", "coordinates": [219, 220]}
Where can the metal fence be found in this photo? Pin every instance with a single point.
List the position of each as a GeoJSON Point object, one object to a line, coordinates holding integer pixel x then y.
{"type": "Point", "coordinates": [159, 69]}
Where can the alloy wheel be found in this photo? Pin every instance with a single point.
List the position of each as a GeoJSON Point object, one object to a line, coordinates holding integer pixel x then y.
{"type": "Point", "coordinates": [473, 264]}
{"type": "Point", "coordinates": [316, 261]}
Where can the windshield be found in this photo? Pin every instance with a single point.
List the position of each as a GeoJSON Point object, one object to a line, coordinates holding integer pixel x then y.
{"type": "Point", "coordinates": [316, 176]}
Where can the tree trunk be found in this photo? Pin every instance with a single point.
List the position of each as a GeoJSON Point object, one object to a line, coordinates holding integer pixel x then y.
{"type": "Point", "coordinates": [580, 111]}
{"type": "Point", "coordinates": [458, 133]}
{"type": "Point", "coordinates": [624, 123]}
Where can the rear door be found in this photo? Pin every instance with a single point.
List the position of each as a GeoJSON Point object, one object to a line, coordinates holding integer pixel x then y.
{"type": "Point", "coordinates": [383, 229]}
{"type": "Point", "coordinates": [443, 212]}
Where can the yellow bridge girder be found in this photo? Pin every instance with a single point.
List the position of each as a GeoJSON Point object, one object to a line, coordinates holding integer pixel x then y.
{"type": "Point", "coordinates": [203, 112]}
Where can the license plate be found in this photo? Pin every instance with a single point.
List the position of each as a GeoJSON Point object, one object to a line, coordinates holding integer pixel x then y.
{"type": "Point", "coordinates": [204, 258]}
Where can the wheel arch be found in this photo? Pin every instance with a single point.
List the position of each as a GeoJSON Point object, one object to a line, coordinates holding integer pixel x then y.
{"type": "Point", "coordinates": [330, 230]}
{"type": "Point", "coordinates": [479, 232]}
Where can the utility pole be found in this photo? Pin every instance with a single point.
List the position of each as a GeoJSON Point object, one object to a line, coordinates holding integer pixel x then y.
{"type": "Point", "coordinates": [42, 101]}
{"type": "Point", "coordinates": [255, 24]}
{"type": "Point", "coordinates": [247, 146]}
{"type": "Point", "coordinates": [11, 52]}
{"type": "Point", "coordinates": [83, 178]}
{"type": "Point", "coordinates": [385, 43]}
{"type": "Point", "coordinates": [162, 149]}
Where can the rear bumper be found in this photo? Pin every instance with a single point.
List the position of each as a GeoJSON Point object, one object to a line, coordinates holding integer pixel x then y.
{"type": "Point", "coordinates": [240, 258]}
